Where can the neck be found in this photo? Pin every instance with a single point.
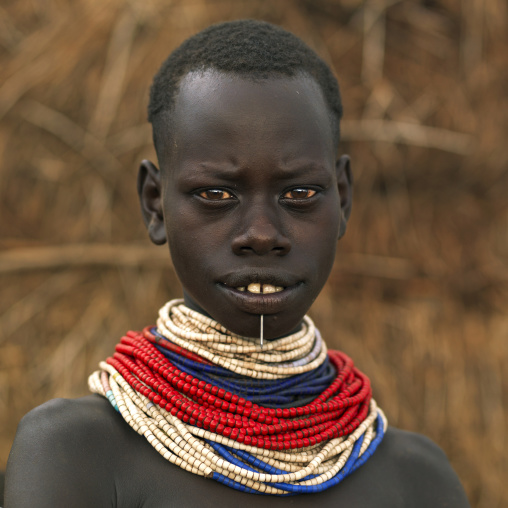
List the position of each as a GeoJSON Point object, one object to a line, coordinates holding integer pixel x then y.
{"type": "Point", "coordinates": [193, 305]}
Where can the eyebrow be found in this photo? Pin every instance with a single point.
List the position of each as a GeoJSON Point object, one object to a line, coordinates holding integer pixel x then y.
{"type": "Point", "coordinates": [235, 173]}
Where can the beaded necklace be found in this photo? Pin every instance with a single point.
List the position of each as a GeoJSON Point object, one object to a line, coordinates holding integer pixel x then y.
{"type": "Point", "coordinates": [225, 407]}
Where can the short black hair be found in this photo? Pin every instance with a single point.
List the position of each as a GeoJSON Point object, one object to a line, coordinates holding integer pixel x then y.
{"type": "Point", "coordinates": [251, 49]}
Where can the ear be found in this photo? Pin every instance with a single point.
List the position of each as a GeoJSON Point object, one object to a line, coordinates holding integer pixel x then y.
{"type": "Point", "coordinates": [345, 185]}
{"type": "Point", "coordinates": [150, 199]}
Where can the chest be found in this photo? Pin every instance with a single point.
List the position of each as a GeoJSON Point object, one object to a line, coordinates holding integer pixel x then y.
{"type": "Point", "coordinates": [151, 482]}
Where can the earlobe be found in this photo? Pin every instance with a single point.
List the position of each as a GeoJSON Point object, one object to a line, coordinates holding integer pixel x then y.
{"type": "Point", "coordinates": [150, 199]}
{"type": "Point", "coordinates": [345, 186]}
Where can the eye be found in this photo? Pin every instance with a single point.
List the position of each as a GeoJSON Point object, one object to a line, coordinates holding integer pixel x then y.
{"type": "Point", "coordinates": [299, 193]}
{"type": "Point", "coordinates": [215, 194]}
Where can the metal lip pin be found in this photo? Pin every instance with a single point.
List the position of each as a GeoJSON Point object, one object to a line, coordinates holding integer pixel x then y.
{"type": "Point", "coordinates": [261, 331]}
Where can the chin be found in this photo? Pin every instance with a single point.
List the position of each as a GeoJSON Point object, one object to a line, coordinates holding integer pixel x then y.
{"type": "Point", "coordinates": [275, 325]}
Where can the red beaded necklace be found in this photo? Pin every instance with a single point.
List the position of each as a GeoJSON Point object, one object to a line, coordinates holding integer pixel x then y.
{"type": "Point", "coordinates": [338, 411]}
{"type": "Point", "coordinates": [209, 402]}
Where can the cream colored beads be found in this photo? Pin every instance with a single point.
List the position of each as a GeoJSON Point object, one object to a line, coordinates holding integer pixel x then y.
{"type": "Point", "coordinates": [185, 445]}
{"type": "Point", "coordinates": [189, 447]}
{"type": "Point", "coordinates": [295, 354]}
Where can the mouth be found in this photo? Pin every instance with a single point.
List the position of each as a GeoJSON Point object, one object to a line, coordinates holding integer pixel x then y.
{"type": "Point", "coordinates": [261, 293]}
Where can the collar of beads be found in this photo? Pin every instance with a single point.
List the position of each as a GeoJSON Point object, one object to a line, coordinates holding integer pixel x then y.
{"type": "Point", "coordinates": [218, 405]}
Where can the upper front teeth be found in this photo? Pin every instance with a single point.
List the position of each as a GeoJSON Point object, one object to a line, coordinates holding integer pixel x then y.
{"type": "Point", "coordinates": [256, 287]}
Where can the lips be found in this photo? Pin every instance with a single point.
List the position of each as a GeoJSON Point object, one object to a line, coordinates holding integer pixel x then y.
{"type": "Point", "coordinates": [260, 292]}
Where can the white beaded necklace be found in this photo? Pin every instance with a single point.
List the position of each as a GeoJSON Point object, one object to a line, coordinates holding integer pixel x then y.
{"type": "Point", "coordinates": [207, 338]}
{"type": "Point", "coordinates": [194, 448]}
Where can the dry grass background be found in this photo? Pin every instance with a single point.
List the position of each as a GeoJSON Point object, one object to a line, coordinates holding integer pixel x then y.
{"type": "Point", "coordinates": [419, 294]}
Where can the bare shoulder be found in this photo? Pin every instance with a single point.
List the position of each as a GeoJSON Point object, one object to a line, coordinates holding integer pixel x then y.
{"type": "Point", "coordinates": [62, 449]}
{"type": "Point", "coordinates": [65, 422]}
{"type": "Point", "coordinates": [424, 472]}
{"type": "Point", "coordinates": [59, 414]}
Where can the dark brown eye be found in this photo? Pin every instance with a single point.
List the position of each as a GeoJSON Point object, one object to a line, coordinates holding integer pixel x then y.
{"type": "Point", "coordinates": [215, 194]}
{"type": "Point", "coordinates": [299, 193]}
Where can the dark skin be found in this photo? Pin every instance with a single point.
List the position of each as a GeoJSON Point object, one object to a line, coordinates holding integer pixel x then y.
{"type": "Point", "coordinates": [250, 190]}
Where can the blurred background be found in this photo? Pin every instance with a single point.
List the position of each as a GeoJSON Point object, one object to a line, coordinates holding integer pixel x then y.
{"type": "Point", "coordinates": [419, 293]}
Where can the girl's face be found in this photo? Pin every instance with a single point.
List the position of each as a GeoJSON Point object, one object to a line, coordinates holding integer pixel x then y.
{"type": "Point", "coordinates": [251, 198]}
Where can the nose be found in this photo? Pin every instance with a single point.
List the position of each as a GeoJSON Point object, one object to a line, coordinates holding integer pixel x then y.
{"type": "Point", "coordinates": [260, 234]}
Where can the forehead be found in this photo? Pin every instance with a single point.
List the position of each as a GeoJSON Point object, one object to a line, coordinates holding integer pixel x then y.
{"type": "Point", "coordinates": [215, 112]}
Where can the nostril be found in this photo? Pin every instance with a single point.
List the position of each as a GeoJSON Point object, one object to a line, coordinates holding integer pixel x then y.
{"type": "Point", "coordinates": [278, 247]}
{"type": "Point", "coordinates": [261, 237]}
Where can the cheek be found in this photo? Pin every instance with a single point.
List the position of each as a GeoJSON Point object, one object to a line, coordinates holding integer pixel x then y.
{"type": "Point", "coordinates": [186, 250]}
{"type": "Point", "coordinates": [183, 244]}
{"type": "Point", "coordinates": [323, 232]}
{"type": "Point", "coordinates": [193, 244]}
{"type": "Point", "coordinates": [321, 244]}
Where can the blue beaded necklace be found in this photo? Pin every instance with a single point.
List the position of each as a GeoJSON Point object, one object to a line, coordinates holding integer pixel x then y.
{"type": "Point", "coordinates": [293, 391]}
